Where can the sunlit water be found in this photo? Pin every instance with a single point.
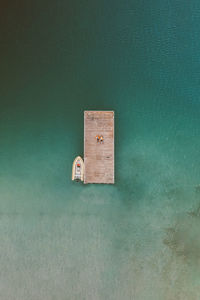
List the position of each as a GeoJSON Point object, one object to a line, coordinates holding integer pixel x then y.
{"type": "Point", "coordinates": [137, 239]}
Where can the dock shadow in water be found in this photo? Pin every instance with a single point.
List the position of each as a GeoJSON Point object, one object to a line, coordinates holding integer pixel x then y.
{"type": "Point", "coordinates": [142, 176]}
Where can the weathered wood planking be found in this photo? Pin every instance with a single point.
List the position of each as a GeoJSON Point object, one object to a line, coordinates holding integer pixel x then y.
{"type": "Point", "coordinates": [99, 158]}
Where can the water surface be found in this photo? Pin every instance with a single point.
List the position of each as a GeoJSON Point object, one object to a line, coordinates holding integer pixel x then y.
{"type": "Point", "coordinates": [137, 239]}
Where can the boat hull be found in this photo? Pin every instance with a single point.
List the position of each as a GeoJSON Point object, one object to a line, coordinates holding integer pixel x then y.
{"type": "Point", "coordinates": [78, 169]}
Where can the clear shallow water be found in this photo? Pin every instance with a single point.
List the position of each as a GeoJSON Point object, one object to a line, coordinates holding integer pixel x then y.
{"type": "Point", "coordinates": [138, 239]}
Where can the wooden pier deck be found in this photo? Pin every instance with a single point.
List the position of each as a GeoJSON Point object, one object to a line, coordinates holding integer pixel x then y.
{"type": "Point", "coordinates": [98, 157]}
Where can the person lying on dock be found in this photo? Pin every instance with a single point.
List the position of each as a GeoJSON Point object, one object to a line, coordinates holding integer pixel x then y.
{"type": "Point", "coordinates": [101, 139]}
{"type": "Point", "coordinates": [97, 137]}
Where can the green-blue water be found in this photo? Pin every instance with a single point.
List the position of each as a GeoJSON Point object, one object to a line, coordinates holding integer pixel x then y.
{"type": "Point", "coordinates": [137, 239]}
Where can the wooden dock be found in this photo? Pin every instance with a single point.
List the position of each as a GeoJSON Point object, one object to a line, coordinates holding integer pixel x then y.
{"type": "Point", "coordinates": [98, 157]}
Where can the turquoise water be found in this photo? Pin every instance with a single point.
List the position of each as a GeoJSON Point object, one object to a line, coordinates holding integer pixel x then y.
{"type": "Point", "coordinates": [137, 239]}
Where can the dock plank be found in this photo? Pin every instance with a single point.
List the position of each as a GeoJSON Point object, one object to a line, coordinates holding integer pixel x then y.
{"type": "Point", "coordinates": [99, 158]}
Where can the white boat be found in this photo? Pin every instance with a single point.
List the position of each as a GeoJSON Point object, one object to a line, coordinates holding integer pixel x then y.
{"type": "Point", "coordinates": [78, 169]}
